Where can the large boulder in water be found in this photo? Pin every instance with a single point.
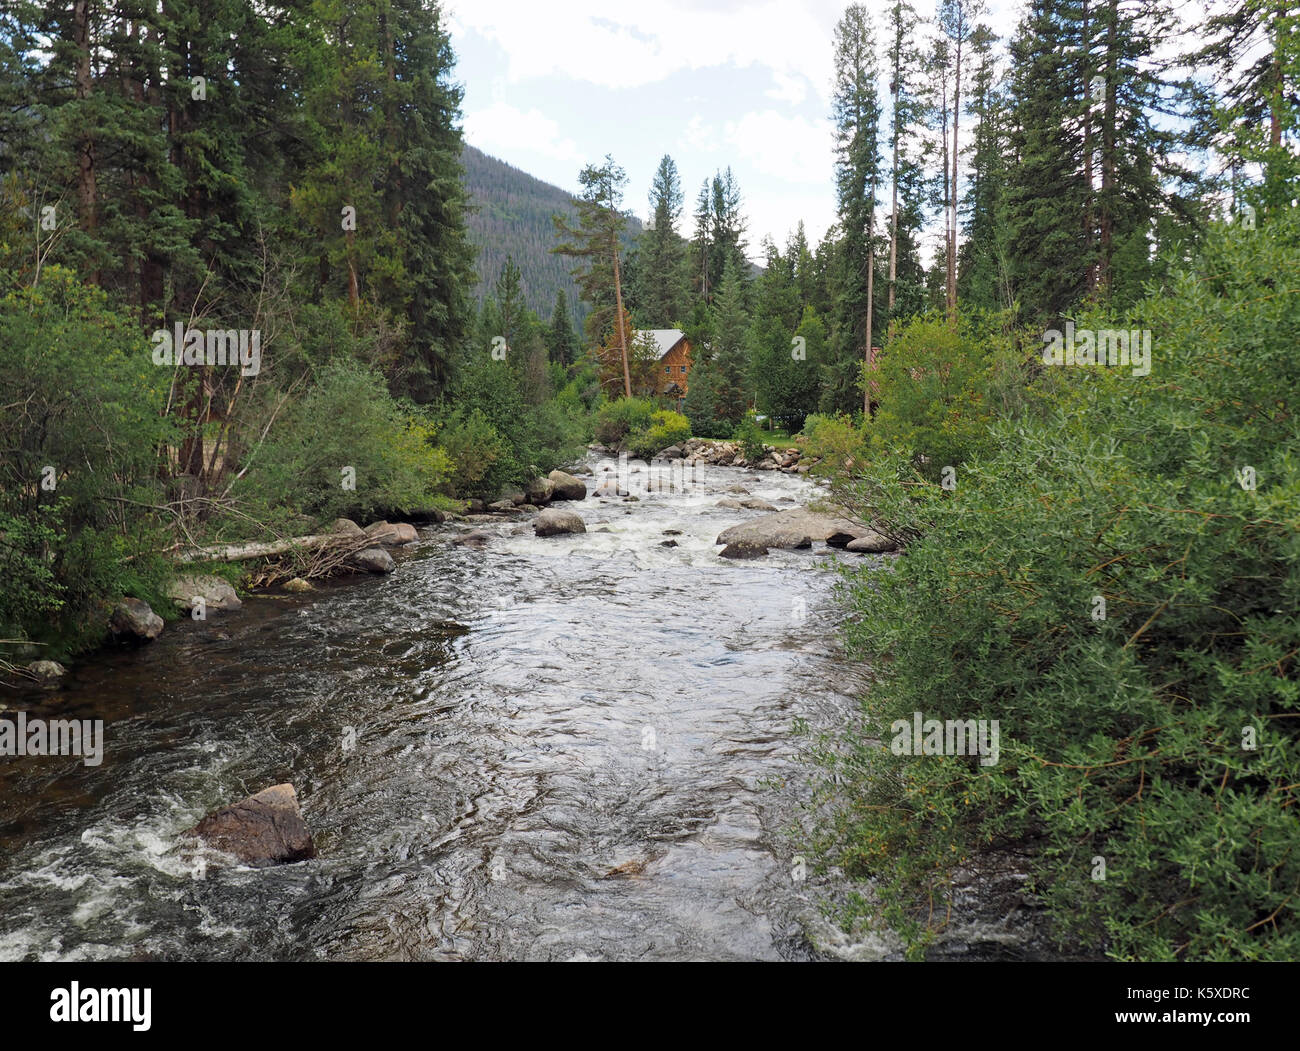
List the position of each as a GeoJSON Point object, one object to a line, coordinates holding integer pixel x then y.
{"type": "Point", "coordinates": [872, 543]}
{"type": "Point", "coordinates": [393, 534]}
{"type": "Point", "coordinates": [133, 619]}
{"type": "Point", "coordinates": [540, 491]}
{"type": "Point", "coordinates": [797, 527]}
{"type": "Point", "coordinates": [553, 522]}
{"type": "Point", "coordinates": [566, 486]}
{"type": "Point", "coordinates": [215, 593]}
{"type": "Point", "coordinates": [374, 560]}
{"type": "Point", "coordinates": [743, 549]}
{"type": "Point", "coordinates": [264, 829]}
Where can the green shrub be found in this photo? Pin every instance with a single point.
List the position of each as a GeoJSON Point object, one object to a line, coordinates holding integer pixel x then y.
{"type": "Point", "coordinates": [481, 460]}
{"type": "Point", "coordinates": [841, 446]}
{"type": "Point", "coordinates": [752, 440]}
{"type": "Point", "coordinates": [1161, 738]}
{"type": "Point", "coordinates": [347, 420]}
{"type": "Point", "coordinates": [667, 428]}
{"type": "Point", "coordinates": [80, 428]}
{"type": "Point", "coordinates": [617, 419]}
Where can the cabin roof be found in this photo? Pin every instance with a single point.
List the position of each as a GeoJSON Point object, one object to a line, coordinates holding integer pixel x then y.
{"type": "Point", "coordinates": [665, 338]}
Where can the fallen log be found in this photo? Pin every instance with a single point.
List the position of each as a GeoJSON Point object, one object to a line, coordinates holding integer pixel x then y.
{"type": "Point", "coordinates": [265, 549]}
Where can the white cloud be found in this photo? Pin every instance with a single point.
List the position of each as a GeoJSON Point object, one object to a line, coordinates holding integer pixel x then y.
{"type": "Point", "coordinates": [793, 149]}
{"type": "Point", "coordinates": [646, 44]}
{"type": "Point", "coordinates": [700, 136]}
{"type": "Point", "coordinates": [791, 89]}
{"type": "Point", "coordinates": [501, 127]}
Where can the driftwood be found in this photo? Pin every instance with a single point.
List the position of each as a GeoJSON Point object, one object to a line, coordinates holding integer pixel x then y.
{"type": "Point", "coordinates": [262, 549]}
{"type": "Point", "coordinates": [310, 557]}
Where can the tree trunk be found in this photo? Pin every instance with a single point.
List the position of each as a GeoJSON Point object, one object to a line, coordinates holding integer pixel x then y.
{"type": "Point", "coordinates": [1090, 219]}
{"type": "Point", "coordinates": [866, 380]}
{"type": "Point", "coordinates": [87, 195]}
{"type": "Point", "coordinates": [618, 320]}
{"type": "Point", "coordinates": [952, 196]}
{"type": "Point", "coordinates": [893, 220]}
{"type": "Point", "coordinates": [1108, 159]}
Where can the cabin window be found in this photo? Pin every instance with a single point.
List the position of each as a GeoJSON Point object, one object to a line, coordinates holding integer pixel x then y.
{"type": "Point", "coordinates": [668, 370]}
{"type": "Point", "coordinates": [683, 368]}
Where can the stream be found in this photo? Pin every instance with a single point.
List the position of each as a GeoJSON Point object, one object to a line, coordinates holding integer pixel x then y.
{"type": "Point", "coordinates": [574, 747]}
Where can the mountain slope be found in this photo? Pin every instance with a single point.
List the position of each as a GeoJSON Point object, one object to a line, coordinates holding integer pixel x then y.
{"type": "Point", "coordinates": [511, 214]}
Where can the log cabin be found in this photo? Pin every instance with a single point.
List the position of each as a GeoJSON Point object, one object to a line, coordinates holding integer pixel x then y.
{"type": "Point", "coordinates": [674, 364]}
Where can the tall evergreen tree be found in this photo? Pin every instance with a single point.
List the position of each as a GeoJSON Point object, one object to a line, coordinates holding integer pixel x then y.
{"type": "Point", "coordinates": [661, 275]}
{"type": "Point", "coordinates": [595, 240]}
{"type": "Point", "coordinates": [856, 112]}
{"type": "Point", "coordinates": [719, 392]}
{"type": "Point", "coordinates": [561, 340]}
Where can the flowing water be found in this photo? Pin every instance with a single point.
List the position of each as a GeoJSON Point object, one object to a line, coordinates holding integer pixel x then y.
{"type": "Point", "coordinates": [575, 747]}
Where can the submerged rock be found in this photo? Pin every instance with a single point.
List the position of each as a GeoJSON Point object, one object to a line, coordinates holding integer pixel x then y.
{"type": "Point", "coordinates": [553, 522]}
{"type": "Point", "coordinates": [475, 538]}
{"type": "Point", "coordinates": [264, 829]}
{"type": "Point", "coordinates": [744, 549]}
{"type": "Point", "coordinates": [374, 560]}
{"type": "Point", "coordinates": [133, 619]}
{"type": "Point", "coordinates": [48, 673]}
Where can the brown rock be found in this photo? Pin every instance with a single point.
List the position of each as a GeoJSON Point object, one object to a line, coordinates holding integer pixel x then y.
{"type": "Point", "coordinates": [744, 549]}
{"type": "Point", "coordinates": [566, 486]}
{"type": "Point", "coordinates": [553, 522]}
{"type": "Point", "coordinates": [394, 534]}
{"type": "Point", "coordinates": [264, 829]}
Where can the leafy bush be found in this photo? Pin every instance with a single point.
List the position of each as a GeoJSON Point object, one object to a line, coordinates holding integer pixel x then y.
{"type": "Point", "coordinates": [841, 446]}
{"type": "Point", "coordinates": [751, 439]}
{"type": "Point", "coordinates": [931, 391]}
{"type": "Point", "coordinates": [667, 428]}
{"type": "Point", "coordinates": [617, 419]}
{"type": "Point", "coordinates": [348, 420]}
{"type": "Point", "coordinates": [1158, 733]}
{"type": "Point", "coordinates": [80, 428]}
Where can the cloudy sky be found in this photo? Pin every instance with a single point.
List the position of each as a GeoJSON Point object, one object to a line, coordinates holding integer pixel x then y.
{"type": "Point", "coordinates": [552, 86]}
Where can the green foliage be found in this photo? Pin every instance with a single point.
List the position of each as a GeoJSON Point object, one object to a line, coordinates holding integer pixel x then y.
{"type": "Point", "coordinates": [667, 428]}
{"type": "Point", "coordinates": [1127, 738]}
{"type": "Point", "coordinates": [81, 421]}
{"type": "Point", "coordinates": [930, 391]}
{"type": "Point", "coordinates": [617, 419]}
{"type": "Point", "coordinates": [718, 394]}
{"type": "Point", "coordinates": [390, 449]}
{"type": "Point", "coordinates": [482, 461]}
{"type": "Point", "coordinates": [841, 446]}
{"type": "Point", "coordinates": [751, 439]}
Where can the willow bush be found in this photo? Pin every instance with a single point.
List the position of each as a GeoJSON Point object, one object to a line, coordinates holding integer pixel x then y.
{"type": "Point", "coordinates": [1115, 580]}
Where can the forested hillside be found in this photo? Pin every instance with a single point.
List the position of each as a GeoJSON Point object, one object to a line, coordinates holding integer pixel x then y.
{"type": "Point", "coordinates": [510, 215]}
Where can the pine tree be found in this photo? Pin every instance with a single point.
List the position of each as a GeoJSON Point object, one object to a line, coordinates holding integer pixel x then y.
{"type": "Point", "coordinates": [982, 260]}
{"type": "Point", "coordinates": [595, 240]}
{"type": "Point", "coordinates": [718, 395]}
{"type": "Point", "coordinates": [856, 112]}
{"type": "Point", "coordinates": [561, 340]}
{"type": "Point", "coordinates": [661, 275]}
